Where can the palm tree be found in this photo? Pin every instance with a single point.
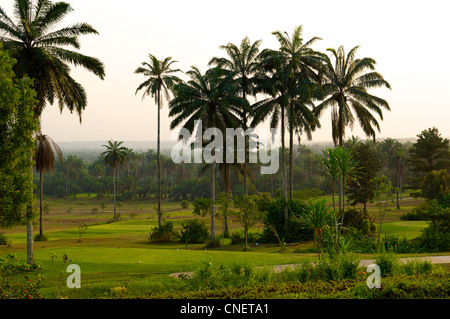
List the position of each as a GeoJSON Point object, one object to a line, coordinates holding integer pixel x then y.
{"type": "Point", "coordinates": [45, 162]}
{"type": "Point", "coordinates": [160, 79]}
{"type": "Point", "coordinates": [243, 61]}
{"type": "Point", "coordinates": [303, 64]}
{"type": "Point", "coordinates": [114, 156]}
{"type": "Point", "coordinates": [345, 87]}
{"type": "Point", "coordinates": [40, 50]}
{"type": "Point", "coordinates": [209, 98]}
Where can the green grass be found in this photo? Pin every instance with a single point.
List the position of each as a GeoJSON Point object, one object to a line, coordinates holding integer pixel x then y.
{"type": "Point", "coordinates": [138, 264]}
{"type": "Point", "coordinates": [409, 229]}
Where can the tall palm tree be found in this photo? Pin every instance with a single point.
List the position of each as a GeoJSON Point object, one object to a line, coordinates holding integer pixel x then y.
{"type": "Point", "coordinates": [272, 80]}
{"type": "Point", "coordinates": [210, 98]}
{"type": "Point", "coordinates": [160, 79]}
{"type": "Point", "coordinates": [345, 87]}
{"type": "Point", "coordinates": [45, 162]}
{"type": "Point", "coordinates": [41, 53]}
{"type": "Point", "coordinates": [243, 61]}
{"type": "Point", "coordinates": [114, 156]}
{"type": "Point", "coordinates": [303, 64]}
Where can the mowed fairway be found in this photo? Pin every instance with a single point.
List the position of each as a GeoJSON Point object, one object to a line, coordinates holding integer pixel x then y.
{"type": "Point", "coordinates": [120, 255]}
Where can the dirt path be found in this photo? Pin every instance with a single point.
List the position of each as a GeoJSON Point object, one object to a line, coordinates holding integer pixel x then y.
{"type": "Point", "coordinates": [363, 263]}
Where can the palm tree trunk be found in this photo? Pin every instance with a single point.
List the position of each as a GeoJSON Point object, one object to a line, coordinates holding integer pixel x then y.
{"type": "Point", "coordinates": [41, 203]}
{"type": "Point", "coordinates": [29, 217]}
{"type": "Point", "coordinates": [213, 198]}
{"type": "Point", "coordinates": [283, 168]}
{"type": "Point", "coordinates": [159, 157]}
{"type": "Point", "coordinates": [114, 191]}
{"type": "Point", "coordinates": [291, 163]}
{"type": "Point", "coordinates": [245, 149]}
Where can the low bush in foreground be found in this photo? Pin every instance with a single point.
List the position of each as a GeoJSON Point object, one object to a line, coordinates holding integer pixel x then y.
{"type": "Point", "coordinates": [434, 286]}
{"type": "Point", "coordinates": [340, 277]}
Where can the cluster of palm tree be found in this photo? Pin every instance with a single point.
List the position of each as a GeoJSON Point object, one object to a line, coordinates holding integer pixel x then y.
{"type": "Point", "coordinates": [289, 79]}
{"type": "Point", "coordinates": [295, 85]}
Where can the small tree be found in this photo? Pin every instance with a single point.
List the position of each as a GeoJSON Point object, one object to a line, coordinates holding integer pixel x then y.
{"type": "Point", "coordinates": [383, 198]}
{"type": "Point", "coordinates": [82, 227]}
{"type": "Point", "coordinates": [202, 206]}
{"type": "Point", "coordinates": [247, 214]}
{"type": "Point", "coordinates": [103, 206]}
{"type": "Point", "coordinates": [319, 217]}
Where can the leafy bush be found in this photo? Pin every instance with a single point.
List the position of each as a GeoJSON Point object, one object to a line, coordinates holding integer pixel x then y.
{"type": "Point", "coordinates": [164, 233]}
{"type": "Point", "coordinates": [423, 211]}
{"type": "Point", "coordinates": [3, 239]}
{"type": "Point", "coordinates": [243, 281]}
{"type": "Point", "coordinates": [38, 237]}
{"type": "Point", "coordinates": [194, 231]}
{"type": "Point", "coordinates": [274, 221]}
{"type": "Point", "coordinates": [388, 264]}
{"type": "Point", "coordinates": [360, 220]}
{"type": "Point", "coordinates": [18, 280]}
{"type": "Point", "coordinates": [184, 204]}
{"type": "Point", "coordinates": [401, 245]}
{"type": "Point", "coordinates": [237, 237]}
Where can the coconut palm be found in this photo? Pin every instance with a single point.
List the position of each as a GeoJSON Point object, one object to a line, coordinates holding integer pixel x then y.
{"type": "Point", "coordinates": [243, 61]}
{"type": "Point", "coordinates": [45, 162]}
{"type": "Point", "coordinates": [210, 98]}
{"type": "Point", "coordinates": [345, 87]}
{"type": "Point", "coordinates": [41, 51]}
{"type": "Point", "coordinates": [114, 156]}
{"type": "Point", "coordinates": [159, 80]}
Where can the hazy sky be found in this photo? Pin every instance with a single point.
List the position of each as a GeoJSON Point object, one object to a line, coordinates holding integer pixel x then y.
{"type": "Point", "coordinates": [408, 39]}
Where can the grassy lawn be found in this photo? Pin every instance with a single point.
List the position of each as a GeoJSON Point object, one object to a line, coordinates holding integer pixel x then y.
{"type": "Point", "coordinates": [120, 255]}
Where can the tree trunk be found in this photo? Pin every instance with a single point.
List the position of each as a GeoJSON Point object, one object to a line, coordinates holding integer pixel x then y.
{"type": "Point", "coordinates": [213, 198]}
{"type": "Point", "coordinates": [283, 168]}
{"type": "Point", "coordinates": [29, 217]}
{"type": "Point", "coordinates": [158, 155]}
{"type": "Point", "coordinates": [291, 163]}
{"type": "Point", "coordinates": [245, 148]}
{"type": "Point", "coordinates": [114, 195]}
{"type": "Point", "coordinates": [41, 204]}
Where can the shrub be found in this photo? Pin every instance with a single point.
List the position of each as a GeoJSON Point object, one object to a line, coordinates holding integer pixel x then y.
{"type": "Point", "coordinates": [18, 280]}
{"type": "Point", "coordinates": [38, 237]}
{"type": "Point", "coordinates": [360, 220]}
{"type": "Point", "coordinates": [388, 264]}
{"type": "Point", "coordinates": [423, 211]}
{"type": "Point", "coordinates": [237, 237]}
{"type": "Point", "coordinates": [164, 233]}
{"type": "Point", "coordinates": [415, 266]}
{"type": "Point", "coordinates": [274, 221]}
{"type": "Point", "coordinates": [194, 231]}
{"type": "Point", "coordinates": [3, 239]}
{"type": "Point", "coordinates": [400, 245]}
{"type": "Point", "coordinates": [184, 204]}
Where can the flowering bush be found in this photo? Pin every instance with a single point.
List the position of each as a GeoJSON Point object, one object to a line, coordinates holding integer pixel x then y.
{"type": "Point", "coordinates": [18, 280]}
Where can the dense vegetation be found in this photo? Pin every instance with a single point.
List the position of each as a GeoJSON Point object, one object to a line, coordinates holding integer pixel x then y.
{"type": "Point", "coordinates": [293, 86]}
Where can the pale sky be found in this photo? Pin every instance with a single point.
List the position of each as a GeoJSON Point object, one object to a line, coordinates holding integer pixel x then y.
{"type": "Point", "coordinates": [408, 39]}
